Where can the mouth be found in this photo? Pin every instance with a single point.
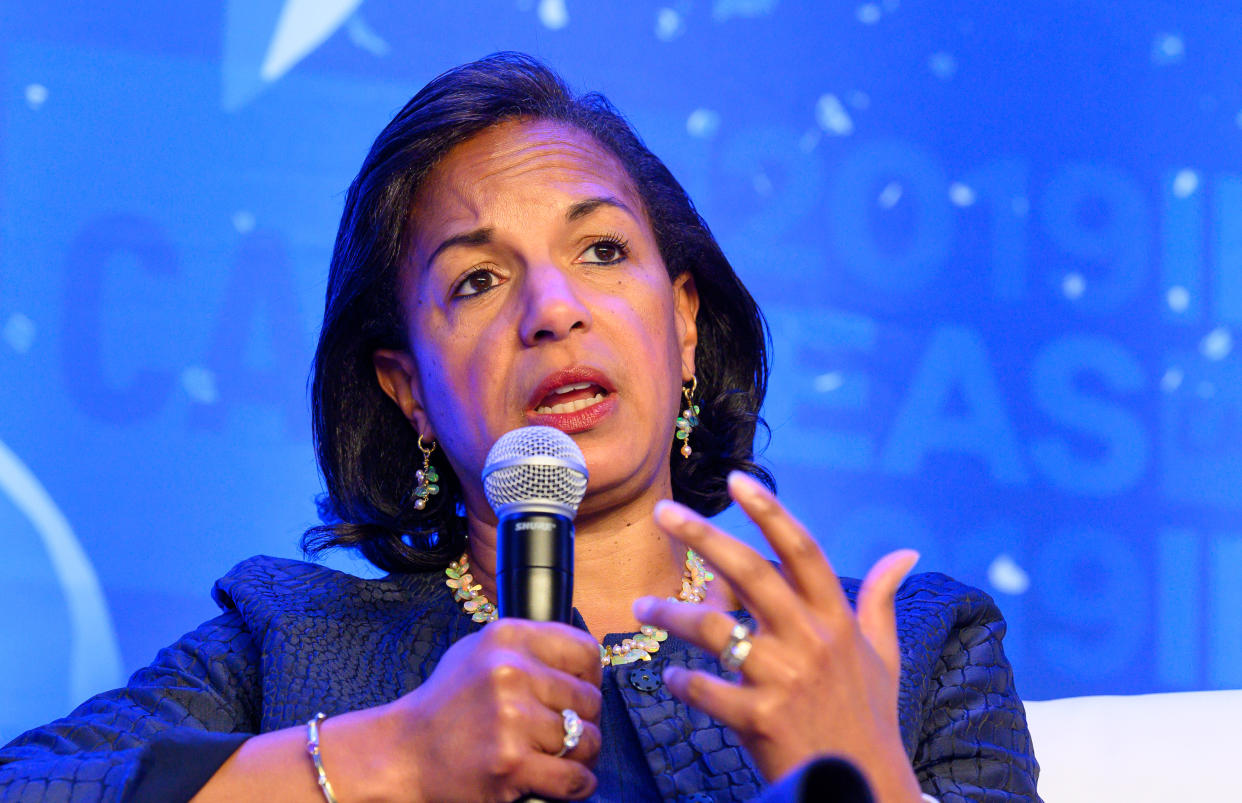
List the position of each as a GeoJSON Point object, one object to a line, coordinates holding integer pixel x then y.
{"type": "Point", "coordinates": [572, 400]}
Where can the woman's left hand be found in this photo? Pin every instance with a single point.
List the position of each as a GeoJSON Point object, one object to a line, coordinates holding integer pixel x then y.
{"type": "Point", "coordinates": [820, 679]}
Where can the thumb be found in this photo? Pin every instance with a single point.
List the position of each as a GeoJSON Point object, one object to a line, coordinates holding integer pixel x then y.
{"type": "Point", "coordinates": [877, 618]}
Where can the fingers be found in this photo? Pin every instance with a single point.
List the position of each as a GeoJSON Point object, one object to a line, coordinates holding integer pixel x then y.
{"type": "Point", "coordinates": [528, 701]}
{"type": "Point", "coordinates": [548, 772]}
{"type": "Point", "coordinates": [556, 778]}
{"type": "Point", "coordinates": [492, 708]}
{"type": "Point", "coordinates": [700, 625]}
{"type": "Point", "coordinates": [559, 693]}
{"type": "Point", "coordinates": [876, 615]}
{"type": "Point", "coordinates": [757, 583]}
{"type": "Point", "coordinates": [512, 675]}
{"type": "Point", "coordinates": [557, 645]}
{"type": "Point", "coordinates": [558, 664]}
{"type": "Point", "coordinates": [802, 561]}
{"type": "Point", "coordinates": [550, 737]}
{"type": "Point", "coordinates": [716, 697]}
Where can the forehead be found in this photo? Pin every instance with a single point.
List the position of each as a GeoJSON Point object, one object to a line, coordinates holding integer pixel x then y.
{"type": "Point", "coordinates": [540, 162]}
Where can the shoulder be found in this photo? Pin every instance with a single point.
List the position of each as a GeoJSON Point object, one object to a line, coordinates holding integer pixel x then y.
{"type": "Point", "coordinates": [935, 601]}
{"type": "Point", "coordinates": [949, 634]}
{"type": "Point", "coordinates": [263, 586]}
{"type": "Point", "coordinates": [932, 593]}
{"type": "Point", "coordinates": [278, 579]}
{"type": "Point", "coordinates": [961, 720]}
{"type": "Point", "coordinates": [329, 639]}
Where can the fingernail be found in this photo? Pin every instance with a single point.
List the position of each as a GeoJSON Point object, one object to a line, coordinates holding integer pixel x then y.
{"type": "Point", "coordinates": [669, 513]}
{"type": "Point", "coordinates": [905, 558]}
{"type": "Point", "coordinates": [913, 558]}
{"type": "Point", "coordinates": [741, 484]}
{"type": "Point", "coordinates": [670, 673]}
{"type": "Point", "coordinates": [642, 607]}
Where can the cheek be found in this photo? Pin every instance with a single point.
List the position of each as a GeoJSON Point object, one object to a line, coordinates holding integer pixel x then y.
{"type": "Point", "coordinates": [651, 340]}
{"type": "Point", "coordinates": [662, 320]}
{"type": "Point", "coordinates": [648, 300]}
{"type": "Point", "coordinates": [459, 377]}
{"type": "Point", "coordinates": [445, 380]}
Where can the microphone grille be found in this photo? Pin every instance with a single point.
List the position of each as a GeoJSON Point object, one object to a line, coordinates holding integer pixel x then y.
{"type": "Point", "coordinates": [534, 468]}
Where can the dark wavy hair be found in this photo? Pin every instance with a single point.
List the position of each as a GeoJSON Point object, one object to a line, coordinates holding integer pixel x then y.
{"type": "Point", "coordinates": [366, 447]}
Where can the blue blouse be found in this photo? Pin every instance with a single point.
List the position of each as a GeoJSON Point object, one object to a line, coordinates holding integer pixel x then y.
{"type": "Point", "coordinates": [295, 638]}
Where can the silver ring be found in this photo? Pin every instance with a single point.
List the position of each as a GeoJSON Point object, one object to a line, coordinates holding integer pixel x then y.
{"type": "Point", "coordinates": [737, 649]}
{"type": "Point", "coordinates": [573, 730]}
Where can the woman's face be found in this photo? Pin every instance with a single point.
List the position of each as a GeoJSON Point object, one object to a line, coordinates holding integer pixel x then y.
{"type": "Point", "coordinates": [535, 293]}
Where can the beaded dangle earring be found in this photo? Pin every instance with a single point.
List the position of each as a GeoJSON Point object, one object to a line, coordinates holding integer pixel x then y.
{"type": "Point", "coordinates": [689, 418]}
{"type": "Point", "coordinates": [427, 477]}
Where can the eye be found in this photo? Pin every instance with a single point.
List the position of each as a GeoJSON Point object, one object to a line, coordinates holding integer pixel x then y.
{"type": "Point", "coordinates": [477, 281]}
{"type": "Point", "coordinates": [607, 250]}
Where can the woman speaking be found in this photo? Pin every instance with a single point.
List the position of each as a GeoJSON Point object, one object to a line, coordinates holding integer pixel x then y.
{"type": "Point", "coordinates": [512, 255]}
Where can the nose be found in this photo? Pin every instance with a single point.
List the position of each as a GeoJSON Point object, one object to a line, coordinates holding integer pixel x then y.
{"type": "Point", "coordinates": [553, 307]}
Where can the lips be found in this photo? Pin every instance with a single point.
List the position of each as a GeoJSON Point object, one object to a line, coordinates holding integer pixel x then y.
{"type": "Point", "coordinates": [573, 384]}
{"type": "Point", "coordinates": [572, 400]}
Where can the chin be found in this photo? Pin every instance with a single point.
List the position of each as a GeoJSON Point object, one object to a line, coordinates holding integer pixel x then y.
{"type": "Point", "coordinates": [618, 476]}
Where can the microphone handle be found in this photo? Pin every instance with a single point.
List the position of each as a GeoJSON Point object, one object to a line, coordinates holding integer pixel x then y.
{"type": "Point", "coordinates": [535, 566]}
{"type": "Point", "coordinates": [534, 571]}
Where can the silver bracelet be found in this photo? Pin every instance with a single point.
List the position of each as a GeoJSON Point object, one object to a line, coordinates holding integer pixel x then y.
{"type": "Point", "coordinates": [312, 747]}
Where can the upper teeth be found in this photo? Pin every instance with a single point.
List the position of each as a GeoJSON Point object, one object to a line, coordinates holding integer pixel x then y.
{"type": "Point", "coordinates": [569, 407]}
{"type": "Point", "coordinates": [571, 388]}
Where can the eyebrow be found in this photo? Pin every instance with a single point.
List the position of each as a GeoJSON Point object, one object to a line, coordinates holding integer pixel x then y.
{"type": "Point", "coordinates": [584, 208]}
{"type": "Point", "coordinates": [577, 211]}
{"type": "Point", "coordinates": [481, 236]}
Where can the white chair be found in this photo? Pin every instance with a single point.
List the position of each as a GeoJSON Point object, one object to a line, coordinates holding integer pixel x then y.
{"type": "Point", "coordinates": [1150, 747]}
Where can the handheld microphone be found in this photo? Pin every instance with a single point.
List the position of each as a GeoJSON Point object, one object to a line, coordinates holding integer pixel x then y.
{"type": "Point", "coordinates": [535, 478]}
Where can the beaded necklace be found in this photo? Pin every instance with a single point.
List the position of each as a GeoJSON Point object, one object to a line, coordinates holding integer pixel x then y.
{"type": "Point", "coordinates": [638, 647]}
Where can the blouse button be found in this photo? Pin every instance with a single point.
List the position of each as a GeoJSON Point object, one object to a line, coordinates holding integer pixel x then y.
{"type": "Point", "coordinates": [645, 679]}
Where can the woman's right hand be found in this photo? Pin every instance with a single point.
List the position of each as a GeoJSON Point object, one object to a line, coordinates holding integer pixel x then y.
{"type": "Point", "coordinates": [487, 724]}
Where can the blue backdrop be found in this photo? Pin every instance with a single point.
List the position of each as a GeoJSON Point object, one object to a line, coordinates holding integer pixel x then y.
{"type": "Point", "coordinates": [999, 246]}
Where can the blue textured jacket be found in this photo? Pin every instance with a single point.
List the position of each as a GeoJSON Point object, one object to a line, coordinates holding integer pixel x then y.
{"type": "Point", "coordinates": [296, 638]}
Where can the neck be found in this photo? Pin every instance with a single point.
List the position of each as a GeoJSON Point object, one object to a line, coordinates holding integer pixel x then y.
{"type": "Point", "coordinates": [619, 555]}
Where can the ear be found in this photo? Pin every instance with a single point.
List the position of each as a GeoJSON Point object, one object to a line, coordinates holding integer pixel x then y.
{"type": "Point", "coordinates": [398, 376]}
{"type": "Point", "coordinates": [686, 310]}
